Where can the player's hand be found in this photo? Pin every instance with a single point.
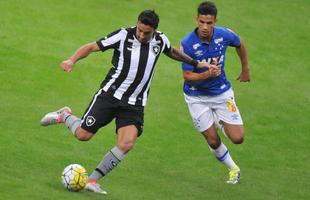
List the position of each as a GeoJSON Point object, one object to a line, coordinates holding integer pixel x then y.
{"type": "Point", "coordinates": [214, 61]}
{"type": "Point", "coordinates": [215, 70]}
{"type": "Point", "coordinates": [67, 65]}
{"type": "Point", "coordinates": [244, 76]}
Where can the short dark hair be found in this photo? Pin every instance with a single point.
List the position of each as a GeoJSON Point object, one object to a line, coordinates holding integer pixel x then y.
{"type": "Point", "coordinates": [207, 8]}
{"type": "Point", "coordinates": [149, 17]}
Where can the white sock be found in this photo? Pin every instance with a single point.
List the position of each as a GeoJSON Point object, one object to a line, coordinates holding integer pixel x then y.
{"type": "Point", "coordinates": [222, 154]}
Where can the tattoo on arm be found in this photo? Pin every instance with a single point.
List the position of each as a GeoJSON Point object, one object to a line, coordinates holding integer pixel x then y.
{"type": "Point", "coordinates": [176, 54]}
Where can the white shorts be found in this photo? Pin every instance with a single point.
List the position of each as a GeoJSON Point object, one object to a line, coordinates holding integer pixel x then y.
{"type": "Point", "coordinates": [205, 110]}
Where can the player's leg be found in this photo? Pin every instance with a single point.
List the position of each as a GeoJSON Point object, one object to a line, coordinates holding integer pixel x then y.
{"type": "Point", "coordinates": [202, 114]}
{"type": "Point", "coordinates": [217, 147]}
{"type": "Point", "coordinates": [126, 138]}
{"type": "Point", "coordinates": [93, 118]}
{"type": "Point", "coordinates": [234, 132]}
{"type": "Point", "coordinates": [228, 115]}
{"type": "Point", "coordinates": [226, 111]}
{"type": "Point", "coordinates": [64, 115]}
{"type": "Point", "coordinates": [56, 117]}
{"type": "Point", "coordinates": [222, 154]}
{"type": "Point", "coordinates": [211, 136]}
{"type": "Point", "coordinates": [129, 122]}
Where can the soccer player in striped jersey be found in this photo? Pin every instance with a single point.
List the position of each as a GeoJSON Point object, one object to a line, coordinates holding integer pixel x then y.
{"type": "Point", "coordinates": [124, 92]}
{"type": "Point", "coordinates": [211, 100]}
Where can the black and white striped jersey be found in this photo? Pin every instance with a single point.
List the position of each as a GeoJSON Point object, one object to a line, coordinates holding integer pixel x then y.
{"type": "Point", "coordinates": [130, 77]}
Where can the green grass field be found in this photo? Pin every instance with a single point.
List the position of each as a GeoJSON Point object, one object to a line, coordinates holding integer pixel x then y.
{"type": "Point", "coordinates": [170, 161]}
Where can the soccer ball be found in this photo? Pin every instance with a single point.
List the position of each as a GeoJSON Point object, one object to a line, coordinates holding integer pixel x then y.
{"type": "Point", "coordinates": [74, 177]}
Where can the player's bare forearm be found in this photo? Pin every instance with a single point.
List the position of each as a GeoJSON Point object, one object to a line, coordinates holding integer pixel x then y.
{"type": "Point", "coordinates": [82, 52]}
{"type": "Point", "coordinates": [178, 55]}
{"type": "Point", "coordinates": [191, 76]}
{"type": "Point", "coordinates": [242, 53]}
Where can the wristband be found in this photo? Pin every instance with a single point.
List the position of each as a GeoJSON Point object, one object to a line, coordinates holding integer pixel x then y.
{"type": "Point", "coordinates": [194, 62]}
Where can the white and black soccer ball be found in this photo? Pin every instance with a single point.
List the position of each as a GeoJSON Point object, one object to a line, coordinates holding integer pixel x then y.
{"type": "Point", "coordinates": [74, 177]}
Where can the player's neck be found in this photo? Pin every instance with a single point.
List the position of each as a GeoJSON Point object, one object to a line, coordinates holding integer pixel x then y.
{"type": "Point", "coordinates": [205, 38]}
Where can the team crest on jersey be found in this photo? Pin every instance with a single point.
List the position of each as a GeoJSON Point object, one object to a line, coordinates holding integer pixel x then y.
{"type": "Point", "coordinates": [156, 49]}
{"type": "Point", "coordinates": [90, 120]}
{"type": "Point", "coordinates": [218, 40]}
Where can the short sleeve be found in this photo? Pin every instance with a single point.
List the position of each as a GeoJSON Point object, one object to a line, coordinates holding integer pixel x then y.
{"type": "Point", "coordinates": [110, 41]}
{"type": "Point", "coordinates": [186, 50]}
{"type": "Point", "coordinates": [166, 45]}
{"type": "Point", "coordinates": [233, 38]}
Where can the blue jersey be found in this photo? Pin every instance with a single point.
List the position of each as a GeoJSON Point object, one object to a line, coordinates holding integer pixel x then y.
{"type": "Point", "coordinates": [204, 51]}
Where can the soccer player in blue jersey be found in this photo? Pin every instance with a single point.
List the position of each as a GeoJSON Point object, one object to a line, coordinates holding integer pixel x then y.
{"type": "Point", "coordinates": [208, 93]}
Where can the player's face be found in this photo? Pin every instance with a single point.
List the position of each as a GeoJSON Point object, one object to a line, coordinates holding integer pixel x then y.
{"type": "Point", "coordinates": [205, 25]}
{"type": "Point", "coordinates": [144, 32]}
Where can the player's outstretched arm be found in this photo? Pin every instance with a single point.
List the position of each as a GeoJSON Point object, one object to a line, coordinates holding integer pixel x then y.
{"type": "Point", "coordinates": [190, 76]}
{"type": "Point", "coordinates": [242, 53]}
{"type": "Point", "coordinates": [82, 52]}
{"type": "Point", "coordinates": [178, 55]}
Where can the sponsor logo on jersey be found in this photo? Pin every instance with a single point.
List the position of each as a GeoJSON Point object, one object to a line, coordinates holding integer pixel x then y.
{"type": "Point", "coordinates": [218, 59]}
{"type": "Point", "coordinates": [196, 46]}
{"type": "Point", "coordinates": [199, 53]}
{"type": "Point", "coordinates": [90, 120]}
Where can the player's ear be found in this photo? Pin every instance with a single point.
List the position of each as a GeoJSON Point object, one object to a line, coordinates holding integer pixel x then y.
{"type": "Point", "coordinates": [197, 20]}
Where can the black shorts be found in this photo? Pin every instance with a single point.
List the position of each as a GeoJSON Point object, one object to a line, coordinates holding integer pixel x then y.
{"type": "Point", "coordinates": [104, 108]}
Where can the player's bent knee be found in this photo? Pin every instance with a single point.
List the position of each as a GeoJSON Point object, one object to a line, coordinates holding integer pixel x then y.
{"type": "Point", "coordinates": [235, 133]}
{"type": "Point", "coordinates": [83, 135]}
{"type": "Point", "coordinates": [125, 146]}
{"type": "Point", "coordinates": [214, 143]}
{"type": "Point", "coordinates": [238, 139]}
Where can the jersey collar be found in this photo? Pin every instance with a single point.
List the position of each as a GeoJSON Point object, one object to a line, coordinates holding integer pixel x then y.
{"type": "Point", "coordinates": [202, 41]}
